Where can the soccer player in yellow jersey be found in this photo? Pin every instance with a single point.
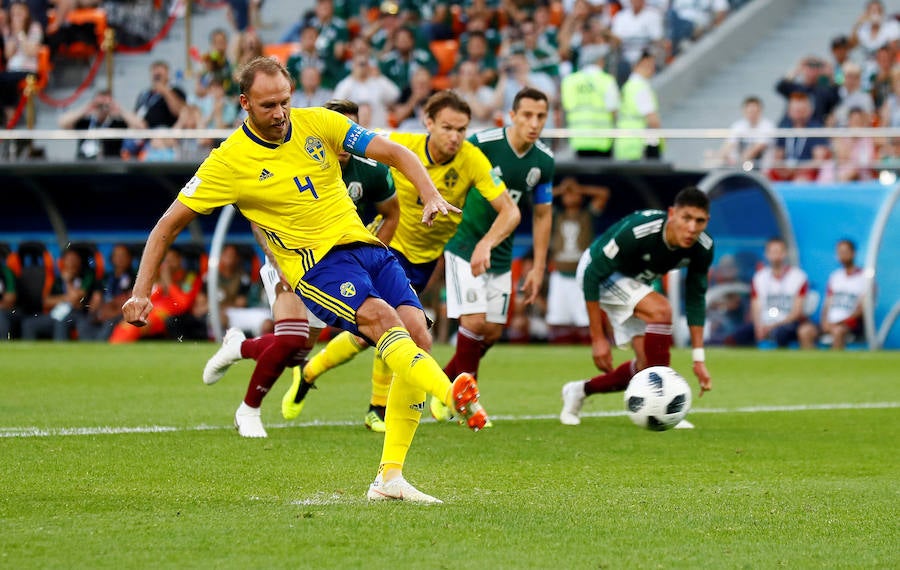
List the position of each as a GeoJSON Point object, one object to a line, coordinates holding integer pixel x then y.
{"type": "Point", "coordinates": [280, 169]}
{"type": "Point", "coordinates": [457, 167]}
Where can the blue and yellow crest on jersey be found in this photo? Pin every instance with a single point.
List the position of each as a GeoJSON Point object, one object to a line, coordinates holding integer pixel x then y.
{"type": "Point", "coordinates": [315, 149]}
{"type": "Point", "coordinates": [347, 289]}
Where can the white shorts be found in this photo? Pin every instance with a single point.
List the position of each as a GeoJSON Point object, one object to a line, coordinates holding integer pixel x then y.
{"type": "Point", "coordinates": [565, 301]}
{"type": "Point", "coordinates": [269, 275]}
{"type": "Point", "coordinates": [248, 319]}
{"type": "Point", "coordinates": [619, 295]}
{"type": "Point", "coordinates": [489, 293]}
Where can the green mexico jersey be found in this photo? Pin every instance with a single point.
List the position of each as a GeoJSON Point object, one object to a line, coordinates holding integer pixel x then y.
{"type": "Point", "coordinates": [635, 248]}
{"type": "Point", "coordinates": [529, 179]}
{"type": "Point", "coordinates": [368, 183]}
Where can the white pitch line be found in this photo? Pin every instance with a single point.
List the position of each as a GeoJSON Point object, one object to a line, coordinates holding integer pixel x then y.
{"type": "Point", "coordinates": [20, 432]}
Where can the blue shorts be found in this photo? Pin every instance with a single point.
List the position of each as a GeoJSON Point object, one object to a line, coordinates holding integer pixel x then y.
{"type": "Point", "coordinates": [419, 273]}
{"type": "Point", "coordinates": [337, 285]}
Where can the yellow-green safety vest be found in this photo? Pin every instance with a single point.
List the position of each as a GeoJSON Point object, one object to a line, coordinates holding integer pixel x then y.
{"type": "Point", "coordinates": [632, 148]}
{"type": "Point", "coordinates": [583, 96]}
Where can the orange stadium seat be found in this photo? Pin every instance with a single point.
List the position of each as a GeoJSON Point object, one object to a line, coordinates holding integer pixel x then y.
{"type": "Point", "coordinates": [445, 52]}
{"type": "Point", "coordinates": [281, 52]}
{"type": "Point", "coordinates": [95, 17]}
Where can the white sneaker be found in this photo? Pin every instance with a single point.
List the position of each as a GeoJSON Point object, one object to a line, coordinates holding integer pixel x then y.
{"type": "Point", "coordinates": [228, 354]}
{"type": "Point", "coordinates": [573, 397]}
{"type": "Point", "coordinates": [398, 489]}
{"type": "Point", "coordinates": [684, 424]}
{"type": "Point", "coordinates": [248, 422]}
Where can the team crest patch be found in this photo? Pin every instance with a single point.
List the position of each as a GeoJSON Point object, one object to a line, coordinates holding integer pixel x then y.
{"type": "Point", "coordinates": [347, 289]}
{"type": "Point", "coordinates": [355, 191]}
{"type": "Point", "coordinates": [533, 176]}
{"type": "Point", "coordinates": [315, 149]}
{"type": "Point", "coordinates": [451, 178]}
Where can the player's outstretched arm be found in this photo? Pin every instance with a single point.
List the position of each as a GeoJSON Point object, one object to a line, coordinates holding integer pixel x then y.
{"type": "Point", "coordinates": [137, 308]}
{"type": "Point", "coordinates": [396, 156]}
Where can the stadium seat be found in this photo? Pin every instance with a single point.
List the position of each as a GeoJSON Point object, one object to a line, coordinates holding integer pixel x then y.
{"type": "Point", "coordinates": [445, 52]}
{"type": "Point", "coordinates": [281, 52]}
{"type": "Point", "coordinates": [91, 257]}
{"type": "Point", "coordinates": [81, 48]}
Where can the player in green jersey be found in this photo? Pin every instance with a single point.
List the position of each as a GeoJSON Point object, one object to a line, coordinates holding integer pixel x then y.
{"type": "Point", "coordinates": [478, 272]}
{"type": "Point", "coordinates": [617, 272]}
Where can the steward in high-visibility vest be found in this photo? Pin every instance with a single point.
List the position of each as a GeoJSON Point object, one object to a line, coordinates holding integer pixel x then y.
{"type": "Point", "coordinates": [639, 110]}
{"type": "Point", "coordinates": [590, 99]}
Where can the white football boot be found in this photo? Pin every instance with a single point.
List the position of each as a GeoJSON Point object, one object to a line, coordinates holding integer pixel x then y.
{"type": "Point", "coordinates": [248, 422]}
{"type": "Point", "coordinates": [228, 354]}
{"type": "Point", "coordinates": [573, 397]}
{"type": "Point", "coordinates": [398, 489]}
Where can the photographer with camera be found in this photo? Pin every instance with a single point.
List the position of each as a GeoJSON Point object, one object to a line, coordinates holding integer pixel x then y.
{"type": "Point", "coordinates": [101, 112]}
{"type": "Point", "coordinates": [160, 105]}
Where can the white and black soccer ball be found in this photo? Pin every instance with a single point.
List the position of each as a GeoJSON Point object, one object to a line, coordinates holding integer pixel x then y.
{"type": "Point", "coordinates": [657, 398]}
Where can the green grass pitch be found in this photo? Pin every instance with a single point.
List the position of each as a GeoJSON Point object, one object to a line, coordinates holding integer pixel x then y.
{"type": "Point", "coordinates": [120, 457]}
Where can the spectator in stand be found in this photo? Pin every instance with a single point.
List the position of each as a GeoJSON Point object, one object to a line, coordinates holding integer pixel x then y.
{"type": "Point", "coordinates": [751, 137]}
{"type": "Point", "coordinates": [873, 30]}
{"type": "Point", "coordinates": [101, 112]}
{"type": "Point", "coordinates": [687, 20]}
{"type": "Point", "coordinates": [479, 96]}
{"type": "Point", "coordinates": [840, 56]}
{"type": "Point", "coordinates": [477, 51]}
{"type": "Point", "coordinates": [8, 297]}
{"type": "Point", "coordinates": [794, 150]}
{"type": "Point", "coordinates": [542, 58]}
{"type": "Point", "coordinates": [379, 33]}
{"type": "Point", "coordinates": [777, 296]}
{"type": "Point", "coordinates": [639, 110]}
{"type": "Point", "coordinates": [547, 33]}
{"type": "Point", "coordinates": [190, 149]}
{"type": "Point", "coordinates": [370, 90]}
{"type": "Point", "coordinates": [879, 78]}
{"type": "Point", "coordinates": [216, 64]}
{"type": "Point", "coordinates": [408, 111]}
{"type": "Point", "coordinates": [160, 105]}
{"type": "Point", "coordinates": [105, 308]}
{"type": "Point", "coordinates": [852, 95]}
{"type": "Point", "coordinates": [21, 42]}
{"type": "Point", "coordinates": [853, 158]}
{"type": "Point", "coordinates": [400, 63]}
{"type": "Point", "coordinates": [486, 24]}
{"type": "Point", "coordinates": [309, 91]}
{"type": "Point", "coordinates": [217, 109]}
{"type": "Point", "coordinates": [889, 155]}
{"type": "Point", "coordinates": [333, 32]}
{"type": "Point", "coordinates": [247, 48]}
{"type": "Point", "coordinates": [64, 304]}
{"type": "Point", "coordinates": [639, 29]}
{"type": "Point", "coordinates": [244, 14]}
{"type": "Point", "coordinates": [515, 75]}
{"type": "Point", "coordinates": [890, 108]}
{"type": "Point", "coordinates": [590, 100]}
{"type": "Point", "coordinates": [842, 311]}
{"type": "Point", "coordinates": [811, 76]}
{"type": "Point", "coordinates": [309, 56]}
{"type": "Point", "coordinates": [173, 294]}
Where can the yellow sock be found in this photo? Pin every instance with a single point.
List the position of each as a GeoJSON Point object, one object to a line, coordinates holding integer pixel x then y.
{"type": "Point", "coordinates": [405, 403]}
{"type": "Point", "coordinates": [381, 381]}
{"type": "Point", "coordinates": [413, 364]}
{"type": "Point", "coordinates": [339, 350]}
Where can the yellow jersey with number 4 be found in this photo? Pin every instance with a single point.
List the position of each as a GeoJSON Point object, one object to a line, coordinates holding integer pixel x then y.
{"type": "Point", "coordinates": [292, 190]}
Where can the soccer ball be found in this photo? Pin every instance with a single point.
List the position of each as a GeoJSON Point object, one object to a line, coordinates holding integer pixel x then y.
{"type": "Point", "coordinates": [657, 398]}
